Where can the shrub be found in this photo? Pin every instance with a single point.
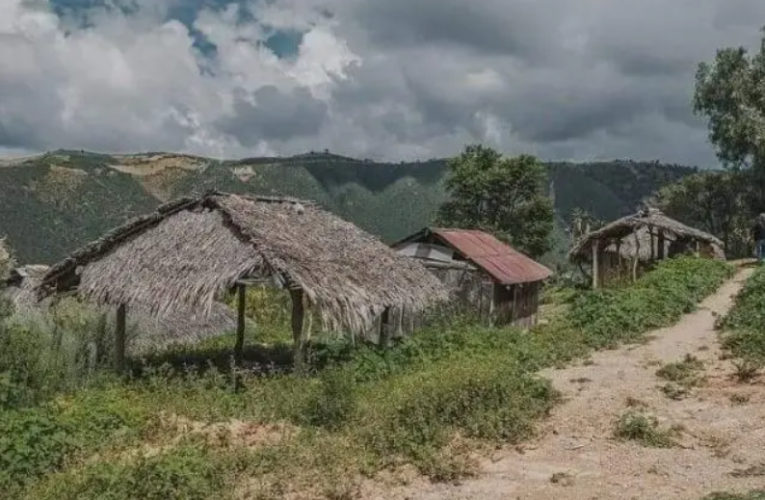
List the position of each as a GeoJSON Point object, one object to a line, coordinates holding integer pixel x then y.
{"type": "Point", "coordinates": [745, 324]}
{"type": "Point", "coordinates": [637, 426]}
{"type": "Point", "coordinates": [659, 298]}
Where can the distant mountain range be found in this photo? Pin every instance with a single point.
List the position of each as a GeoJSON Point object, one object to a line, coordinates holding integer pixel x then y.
{"type": "Point", "coordinates": [53, 203]}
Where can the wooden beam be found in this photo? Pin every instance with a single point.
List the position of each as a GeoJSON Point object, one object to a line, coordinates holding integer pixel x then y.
{"type": "Point", "coordinates": [240, 321]}
{"type": "Point", "coordinates": [298, 313]}
{"type": "Point", "coordinates": [119, 339]}
{"type": "Point", "coordinates": [636, 258]}
{"type": "Point", "coordinates": [385, 328]}
{"type": "Point", "coordinates": [595, 263]}
{"type": "Point", "coordinates": [661, 243]}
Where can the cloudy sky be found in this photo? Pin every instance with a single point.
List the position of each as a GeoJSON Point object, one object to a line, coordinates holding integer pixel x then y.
{"type": "Point", "coordinates": [383, 79]}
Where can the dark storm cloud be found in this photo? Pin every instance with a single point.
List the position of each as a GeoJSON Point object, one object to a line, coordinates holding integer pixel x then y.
{"type": "Point", "coordinates": [276, 115]}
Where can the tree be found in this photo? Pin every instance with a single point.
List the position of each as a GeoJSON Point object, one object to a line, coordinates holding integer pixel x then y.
{"type": "Point", "coordinates": [505, 196]}
{"type": "Point", "coordinates": [730, 94]}
{"type": "Point", "coordinates": [714, 201]}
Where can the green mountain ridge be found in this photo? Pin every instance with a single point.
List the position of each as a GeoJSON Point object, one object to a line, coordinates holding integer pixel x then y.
{"type": "Point", "coordinates": [53, 203]}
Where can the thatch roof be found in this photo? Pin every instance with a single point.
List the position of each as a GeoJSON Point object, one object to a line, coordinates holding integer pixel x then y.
{"type": "Point", "coordinates": [149, 332]}
{"type": "Point", "coordinates": [640, 224]}
{"type": "Point", "coordinates": [190, 250]}
{"type": "Point", "coordinates": [6, 261]}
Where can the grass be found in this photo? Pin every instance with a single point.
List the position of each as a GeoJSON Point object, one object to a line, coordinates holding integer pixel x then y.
{"type": "Point", "coordinates": [681, 376]}
{"type": "Point", "coordinates": [752, 495]}
{"type": "Point", "coordinates": [638, 426]}
{"type": "Point", "coordinates": [430, 402]}
{"type": "Point", "coordinates": [744, 328]}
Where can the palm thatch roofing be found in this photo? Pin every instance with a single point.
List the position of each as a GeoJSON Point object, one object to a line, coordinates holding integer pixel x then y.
{"type": "Point", "coordinates": [182, 256]}
{"type": "Point", "coordinates": [148, 332]}
{"type": "Point", "coordinates": [641, 225]}
{"type": "Point", "coordinates": [6, 262]}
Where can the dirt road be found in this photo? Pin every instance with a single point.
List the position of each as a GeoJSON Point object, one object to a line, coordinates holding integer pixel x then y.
{"type": "Point", "coordinates": [721, 422]}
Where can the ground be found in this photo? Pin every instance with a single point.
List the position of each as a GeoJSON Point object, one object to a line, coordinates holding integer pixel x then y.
{"type": "Point", "coordinates": [719, 427]}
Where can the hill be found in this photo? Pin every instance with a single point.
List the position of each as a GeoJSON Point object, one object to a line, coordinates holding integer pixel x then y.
{"type": "Point", "coordinates": [53, 203]}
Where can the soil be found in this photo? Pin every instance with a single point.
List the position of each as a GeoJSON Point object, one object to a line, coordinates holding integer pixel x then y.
{"type": "Point", "coordinates": [721, 427]}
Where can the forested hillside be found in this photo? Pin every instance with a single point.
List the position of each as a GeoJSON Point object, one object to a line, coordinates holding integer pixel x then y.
{"type": "Point", "coordinates": [51, 204]}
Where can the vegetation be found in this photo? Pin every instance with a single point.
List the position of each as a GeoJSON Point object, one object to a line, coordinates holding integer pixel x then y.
{"type": "Point", "coordinates": [681, 376]}
{"type": "Point", "coordinates": [635, 425]}
{"type": "Point", "coordinates": [507, 197]}
{"type": "Point", "coordinates": [53, 204]}
{"type": "Point", "coordinates": [752, 495]}
{"type": "Point", "coordinates": [744, 326]}
{"type": "Point", "coordinates": [432, 400]}
{"type": "Point", "coordinates": [713, 201]}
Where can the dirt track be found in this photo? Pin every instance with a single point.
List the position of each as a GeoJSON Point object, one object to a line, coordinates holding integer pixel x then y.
{"type": "Point", "coordinates": [576, 457]}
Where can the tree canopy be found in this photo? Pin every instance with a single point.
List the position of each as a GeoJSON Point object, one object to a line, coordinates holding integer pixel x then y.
{"type": "Point", "coordinates": [731, 95]}
{"type": "Point", "coordinates": [505, 196]}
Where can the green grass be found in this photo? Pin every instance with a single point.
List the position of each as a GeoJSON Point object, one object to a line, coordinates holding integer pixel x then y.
{"type": "Point", "coordinates": [635, 425]}
{"type": "Point", "coordinates": [430, 401]}
{"type": "Point", "coordinates": [744, 326]}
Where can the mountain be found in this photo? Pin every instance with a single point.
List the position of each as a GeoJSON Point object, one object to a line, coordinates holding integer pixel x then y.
{"type": "Point", "coordinates": [53, 203]}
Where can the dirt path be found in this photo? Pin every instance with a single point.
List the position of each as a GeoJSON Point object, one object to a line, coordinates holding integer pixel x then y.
{"type": "Point", "coordinates": [576, 447]}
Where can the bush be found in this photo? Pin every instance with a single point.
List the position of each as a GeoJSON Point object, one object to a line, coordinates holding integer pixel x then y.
{"type": "Point", "coordinates": [484, 397]}
{"type": "Point", "coordinates": [187, 472]}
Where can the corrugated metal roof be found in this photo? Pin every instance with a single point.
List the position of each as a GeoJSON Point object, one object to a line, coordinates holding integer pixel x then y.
{"type": "Point", "coordinates": [504, 263]}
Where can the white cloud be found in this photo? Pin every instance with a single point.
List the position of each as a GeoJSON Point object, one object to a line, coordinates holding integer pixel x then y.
{"type": "Point", "coordinates": [394, 79]}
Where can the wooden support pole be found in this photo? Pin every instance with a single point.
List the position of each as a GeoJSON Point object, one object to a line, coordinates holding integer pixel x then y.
{"type": "Point", "coordinates": [662, 243]}
{"type": "Point", "coordinates": [636, 258]}
{"type": "Point", "coordinates": [119, 339]}
{"type": "Point", "coordinates": [385, 328]}
{"type": "Point", "coordinates": [595, 263]}
{"type": "Point", "coordinates": [298, 313]}
{"type": "Point", "coordinates": [241, 302]}
{"type": "Point", "coordinates": [650, 237]}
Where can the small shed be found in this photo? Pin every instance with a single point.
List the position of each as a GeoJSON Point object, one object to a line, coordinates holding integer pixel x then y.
{"type": "Point", "coordinates": [483, 274]}
{"type": "Point", "coordinates": [628, 246]}
{"type": "Point", "coordinates": [178, 259]}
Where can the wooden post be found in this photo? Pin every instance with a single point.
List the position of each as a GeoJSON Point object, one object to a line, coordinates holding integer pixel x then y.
{"type": "Point", "coordinates": [662, 243]}
{"type": "Point", "coordinates": [385, 328]}
{"type": "Point", "coordinates": [119, 339]}
{"type": "Point", "coordinates": [239, 346]}
{"type": "Point", "coordinates": [595, 263]}
{"type": "Point", "coordinates": [650, 237]}
{"type": "Point", "coordinates": [636, 258]}
{"type": "Point", "coordinates": [298, 313]}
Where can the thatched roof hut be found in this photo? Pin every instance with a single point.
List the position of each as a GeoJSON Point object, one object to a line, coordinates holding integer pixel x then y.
{"type": "Point", "coordinates": [646, 236]}
{"type": "Point", "coordinates": [151, 333]}
{"type": "Point", "coordinates": [642, 224]}
{"type": "Point", "coordinates": [182, 256]}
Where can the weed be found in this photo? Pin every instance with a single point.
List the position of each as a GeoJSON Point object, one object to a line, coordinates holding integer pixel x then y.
{"type": "Point", "coordinates": [682, 375]}
{"type": "Point", "coordinates": [740, 398]}
{"type": "Point", "coordinates": [644, 429]}
{"type": "Point", "coordinates": [746, 370]}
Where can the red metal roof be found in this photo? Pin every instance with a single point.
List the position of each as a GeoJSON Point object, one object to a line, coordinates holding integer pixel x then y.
{"type": "Point", "coordinates": [504, 263]}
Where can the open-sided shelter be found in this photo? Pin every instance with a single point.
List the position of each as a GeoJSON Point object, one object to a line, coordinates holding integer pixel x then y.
{"type": "Point", "coordinates": [179, 258]}
{"type": "Point", "coordinates": [628, 246]}
{"type": "Point", "coordinates": [483, 274]}
{"type": "Point", "coordinates": [150, 332]}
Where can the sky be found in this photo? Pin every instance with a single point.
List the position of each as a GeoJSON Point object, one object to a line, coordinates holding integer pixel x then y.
{"type": "Point", "coordinates": [387, 80]}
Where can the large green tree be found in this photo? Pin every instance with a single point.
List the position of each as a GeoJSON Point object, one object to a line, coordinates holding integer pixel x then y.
{"type": "Point", "coordinates": [714, 201]}
{"type": "Point", "coordinates": [730, 93]}
{"type": "Point", "coordinates": [505, 196]}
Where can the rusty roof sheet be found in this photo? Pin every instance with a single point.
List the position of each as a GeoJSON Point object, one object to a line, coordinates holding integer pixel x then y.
{"type": "Point", "coordinates": [501, 261]}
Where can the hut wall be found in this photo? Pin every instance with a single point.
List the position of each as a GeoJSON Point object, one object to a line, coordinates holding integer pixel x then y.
{"type": "Point", "coordinates": [516, 305]}
{"type": "Point", "coordinates": [614, 269]}
{"type": "Point", "coordinates": [472, 293]}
